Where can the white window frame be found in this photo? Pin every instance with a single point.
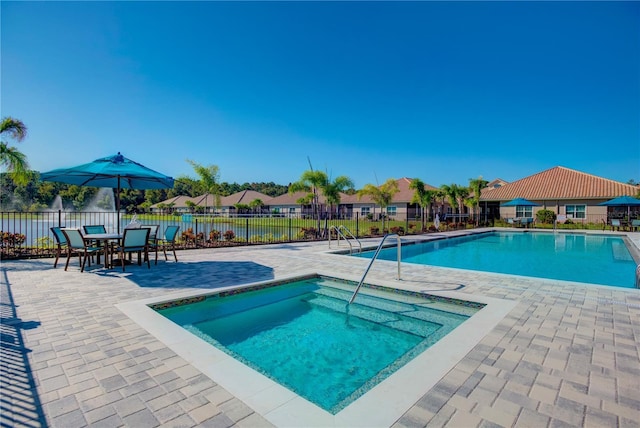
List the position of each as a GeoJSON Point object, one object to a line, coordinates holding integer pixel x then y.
{"type": "Point", "coordinates": [365, 211]}
{"type": "Point", "coordinates": [574, 212]}
{"type": "Point", "coordinates": [524, 211]}
{"type": "Point", "coordinates": [392, 210]}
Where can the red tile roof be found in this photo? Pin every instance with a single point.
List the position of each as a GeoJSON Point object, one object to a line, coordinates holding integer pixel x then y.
{"type": "Point", "coordinates": [559, 183]}
{"type": "Point", "coordinates": [404, 195]}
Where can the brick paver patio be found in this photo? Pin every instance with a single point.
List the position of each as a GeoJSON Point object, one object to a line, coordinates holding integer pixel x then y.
{"type": "Point", "coordinates": [567, 355]}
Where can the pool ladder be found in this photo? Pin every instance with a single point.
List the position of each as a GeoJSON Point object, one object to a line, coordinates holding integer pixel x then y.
{"type": "Point", "coordinates": [347, 234]}
{"type": "Point", "coordinates": [638, 276]}
{"type": "Point", "coordinates": [373, 259]}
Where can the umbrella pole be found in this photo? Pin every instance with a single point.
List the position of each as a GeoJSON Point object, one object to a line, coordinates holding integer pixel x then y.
{"type": "Point", "coordinates": [118, 205]}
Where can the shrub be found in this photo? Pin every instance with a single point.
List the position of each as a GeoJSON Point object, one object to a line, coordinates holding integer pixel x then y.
{"type": "Point", "coordinates": [309, 232]}
{"type": "Point", "coordinates": [214, 235]}
{"type": "Point", "coordinates": [545, 216]}
{"type": "Point", "coordinates": [13, 239]}
{"type": "Point", "coordinates": [397, 229]}
{"type": "Point", "coordinates": [229, 235]}
{"type": "Point", "coordinates": [374, 230]}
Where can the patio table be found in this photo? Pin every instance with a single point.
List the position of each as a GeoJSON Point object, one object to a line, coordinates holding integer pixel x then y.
{"type": "Point", "coordinates": [104, 238]}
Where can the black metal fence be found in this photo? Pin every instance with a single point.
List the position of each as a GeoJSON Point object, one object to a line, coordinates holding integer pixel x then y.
{"type": "Point", "coordinates": [29, 234]}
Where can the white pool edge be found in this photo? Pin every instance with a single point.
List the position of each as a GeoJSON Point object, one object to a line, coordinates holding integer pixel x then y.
{"type": "Point", "coordinates": [380, 407]}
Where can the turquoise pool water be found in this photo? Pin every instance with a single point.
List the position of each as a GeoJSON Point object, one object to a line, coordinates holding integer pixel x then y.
{"type": "Point", "coordinates": [596, 259]}
{"type": "Point", "coordinates": [303, 336]}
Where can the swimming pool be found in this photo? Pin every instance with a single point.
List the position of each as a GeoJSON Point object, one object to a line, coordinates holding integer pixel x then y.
{"type": "Point", "coordinates": [595, 259]}
{"type": "Point", "coordinates": [303, 335]}
{"type": "Point", "coordinates": [380, 406]}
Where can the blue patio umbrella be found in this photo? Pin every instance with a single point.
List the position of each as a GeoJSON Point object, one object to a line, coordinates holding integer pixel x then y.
{"type": "Point", "coordinates": [520, 202]}
{"type": "Point", "coordinates": [115, 171]}
{"type": "Point", "coordinates": [622, 201]}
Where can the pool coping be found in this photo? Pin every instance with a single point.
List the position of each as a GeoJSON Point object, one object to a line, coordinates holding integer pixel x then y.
{"type": "Point", "coordinates": [381, 406]}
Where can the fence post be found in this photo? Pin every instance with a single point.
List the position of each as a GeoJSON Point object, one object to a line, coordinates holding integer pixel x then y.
{"type": "Point", "coordinates": [357, 226]}
{"type": "Point", "coordinates": [195, 241]}
{"type": "Point", "coordinates": [289, 228]}
{"type": "Point", "coordinates": [246, 229]}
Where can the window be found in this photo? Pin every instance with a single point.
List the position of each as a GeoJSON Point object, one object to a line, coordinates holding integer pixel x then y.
{"type": "Point", "coordinates": [292, 210]}
{"type": "Point", "coordinates": [524, 211]}
{"type": "Point", "coordinates": [392, 210]}
{"type": "Point", "coordinates": [275, 210]}
{"type": "Point", "coordinates": [576, 211]}
{"type": "Point", "coordinates": [364, 211]}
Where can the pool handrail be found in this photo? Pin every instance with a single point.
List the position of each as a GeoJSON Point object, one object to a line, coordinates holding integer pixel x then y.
{"type": "Point", "coordinates": [638, 276]}
{"type": "Point", "coordinates": [337, 229]}
{"type": "Point", "coordinates": [375, 255]}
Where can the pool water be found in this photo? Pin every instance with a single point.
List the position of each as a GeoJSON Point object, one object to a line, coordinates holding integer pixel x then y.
{"type": "Point", "coordinates": [304, 336]}
{"type": "Point", "coordinates": [596, 259]}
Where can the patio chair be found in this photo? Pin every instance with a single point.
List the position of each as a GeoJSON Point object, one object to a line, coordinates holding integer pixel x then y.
{"type": "Point", "coordinates": [615, 224]}
{"type": "Point", "coordinates": [61, 243]}
{"type": "Point", "coordinates": [94, 228]}
{"type": "Point", "coordinates": [133, 241]}
{"type": "Point", "coordinates": [153, 237]}
{"type": "Point", "coordinates": [635, 225]}
{"type": "Point", "coordinates": [77, 245]}
{"type": "Point", "coordinates": [169, 241]}
{"type": "Point", "coordinates": [526, 221]}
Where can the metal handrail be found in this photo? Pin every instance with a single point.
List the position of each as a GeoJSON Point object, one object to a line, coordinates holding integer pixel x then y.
{"type": "Point", "coordinates": [638, 276]}
{"type": "Point", "coordinates": [337, 229]}
{"type": "Point", "coordinates": [375, 255]}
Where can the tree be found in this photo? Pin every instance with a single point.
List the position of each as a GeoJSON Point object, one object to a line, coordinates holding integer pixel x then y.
{"type": "Point", "coordinates": [256, 204]}
{"type": "Point", "coordinates": [422, 197]}
{"type": "Point", "coordinates": [11, 158]}
{"type": "Point", "coordinates": [382, 195]}
{"type": "Point", "coordinates": [448, 192]}
{"type": "Point", "coordinates": [209, 178]}
{"type": "Point", "coordinates": [462, 193]}
{"type": "Point", "coordinates": [476, 185]}
{"type": "Point", "coordinates": [455, 194]}
{"type": "Point", "coordinates": [310, 181]}
{"type": "Point", "coordinates": [332, 190]}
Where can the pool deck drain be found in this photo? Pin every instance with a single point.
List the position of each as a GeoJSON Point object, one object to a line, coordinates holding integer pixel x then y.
{"type": "Point", "coordinates": [567, 354]}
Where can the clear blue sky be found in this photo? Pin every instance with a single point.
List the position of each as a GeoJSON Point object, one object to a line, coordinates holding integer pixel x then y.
{"type": "Point", "coordinates": [441, 91]}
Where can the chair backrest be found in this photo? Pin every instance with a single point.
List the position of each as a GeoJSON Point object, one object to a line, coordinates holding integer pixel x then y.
{"type": "Point", "coordinates": [170, 233]}
{"type": "Point", "coordinates": [59, 236]}
{"type": "Point", "coordinates": [94, 228]}
{"type": "Point", "coordinates": [74, 238]}
{"type": "Point", "coordinates": [635, 223]}
{"type": "Point", "coordinates": [135, 237]}
{"type": "Point", "coordinates": [153, 230]}
{"type": "Point", "coordinates": [615, 222]}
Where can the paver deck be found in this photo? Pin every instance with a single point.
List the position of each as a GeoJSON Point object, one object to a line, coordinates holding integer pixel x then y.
{"type": "Point", "coordinates": [568, 354]}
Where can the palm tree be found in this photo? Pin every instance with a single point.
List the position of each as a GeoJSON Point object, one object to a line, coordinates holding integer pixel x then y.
{"type": "Point", "coordinates": [332, 190]}
{"type": "Point", "coordinates": [382, 195]}
{"type": "Point", "coordinates": [462, 193]}
{"type": "Point", "coordinates": [311, 182]}
{"type": "Point", "coordinates": [449, 192]}
{"type": "Point", "coordinates": [476, 185]}
{"type": "Point", "coordinates": [421, 197]}
{"type": "Point", "coordinates": [11, 158]}
{"type": "Point", "coordinates": [256, 204]}
{"type": "Point", "coordinates": [209, 178]}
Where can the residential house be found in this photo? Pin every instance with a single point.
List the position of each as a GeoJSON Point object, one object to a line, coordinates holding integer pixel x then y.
{"type": "Point", "coordinates": [208, 204]}
{"type": "Point", "coordinates": [570, 194]}
{"type": "Point", "coordinates": [401, 207]}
